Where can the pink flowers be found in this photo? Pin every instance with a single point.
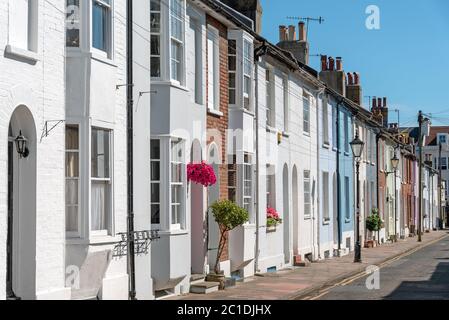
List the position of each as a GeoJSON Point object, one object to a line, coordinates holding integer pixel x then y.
{"type": "Point", "coordinates": [273, 218]}
{"type": "Point", "coordinates": [201, 173]}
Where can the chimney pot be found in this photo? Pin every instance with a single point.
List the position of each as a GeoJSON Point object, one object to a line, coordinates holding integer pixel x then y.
{"type": "Point", "coordinates": [379, 102]}
{"type": "Point", "coordinates": [291, 33]}
{"type": "Point", "coordinates": [282, 33]}
{"type": "Point", "coordinates": [385, 102]}
{"type": "Point", "coordinates": [323, 63]}
{"type": "Point", "coordinates": [302, 31]}
{"type": "Point", "coordinates": [350, 79]}
{"type": "Point", "coordinates": [374, 103]}
{"type": "Point", "coordinates": [331, 64]}
{"type": "Point", "coordinates": [356, 78]}
{"type": "Point", "coordinates": [339, 64]}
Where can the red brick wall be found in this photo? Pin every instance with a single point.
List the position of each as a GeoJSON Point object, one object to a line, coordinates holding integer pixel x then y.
{"type": "Point", "coordinates": [216, 122]}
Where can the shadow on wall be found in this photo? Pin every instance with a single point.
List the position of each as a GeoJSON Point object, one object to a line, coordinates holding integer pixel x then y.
{"type": "Point", "coordinates": [437, 288]}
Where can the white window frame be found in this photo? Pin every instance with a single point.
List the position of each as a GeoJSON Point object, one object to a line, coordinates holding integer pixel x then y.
{"type": "Point", "coordinates": [178, 42]}
{"type": "Point", "coordinates": [213, 37]}
{"type": "Point", "coordinates": [247, 61]}
{"type": "Point", "coordinates": [77, 233]}
{"type": "Point", "coordinates": [347, 198]}
{"type": "Point", "coordinates": [307, 194]}
{"type": "Point", "coordinates": [181, 203]}
{"type": "Point", "coordinates": [248, 199]}
{"type": "Point", "coordinates": [233, 92]}
{"type": "Point", "coordinates": [73, 21]}
{"type": "Point", "coordinates": [109, 231]}
{"type": "Point", "coordinates": [286, 101]}
{"type": "Point", "coordinates": [157, 182]}
{"type": "Point", "coordinates": [325, 122]}
{"type": "Point", "coordinates": [271, 186]}
{"type": "Point", "coordinates": [270, 97]}
{"type": "Point", "coordinates": [346, 133]}
{"type": "Point", "coordinates": [157, 34]}
{"type": "Point", "coordinates": [28, 36]}
{"type": "Point", "coordinates": [334, 128]}
{"type": "Point", "coordinates": [107, 53]}
{"type": "Point", "coordinates": [326, 198]}
{"type": "Point", "coordinates": [306, 113]}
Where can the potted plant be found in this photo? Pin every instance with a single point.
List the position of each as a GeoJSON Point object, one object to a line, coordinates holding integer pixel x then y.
{"type": "Point", "coordinates": [273, 219]}
{"type": "Point", "coordinates": [201, 173]}
{"type": "Point", "coordinates": [373, 224]}
{"type": "Point", "coordinates": [229, 216]}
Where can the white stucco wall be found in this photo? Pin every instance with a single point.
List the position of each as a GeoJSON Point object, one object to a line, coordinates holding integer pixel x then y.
{"type": "Point", "coordinates": [40, 87]}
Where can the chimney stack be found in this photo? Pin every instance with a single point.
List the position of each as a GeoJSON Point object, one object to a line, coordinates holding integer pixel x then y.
{"type": "Point", "coordinates": [374, 103]}
{"type": "Point", "coordinates": [379, 102]}
{"type": "Point", "coordinates": [356, 78]}
{"type": "Point", "coordinates": [302, 36]}
{"type": "Point", "coordinates": [332, 74]}
{"type": "Point", "coordinates": [354, 89]}
{"type": "Point", "coordinates": [385, 102]}
{"type": "Point", "coordinates": [350, 79]}
{"type": "Point", "coordinates": [291, 33]}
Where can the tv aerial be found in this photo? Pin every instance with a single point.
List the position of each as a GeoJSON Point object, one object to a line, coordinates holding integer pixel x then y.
{"type": "Point", "coordinates": [307, 20]}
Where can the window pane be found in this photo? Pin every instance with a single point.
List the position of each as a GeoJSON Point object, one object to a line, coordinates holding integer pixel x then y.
{"type": "Point", "coordinates": [232, 47]}
{"type": "Point", "coordinates": [155, 149]}
{"type": "Point", "coordinates": [71, 138]}
{"type": "Point", "coordinates": [100, 25]}
{"type": "Point", "coordinates": [72, 24]}
{"type": "Point", "coordinates": [155, 171]}
{"type": "Point", "coordinates": [232, 63]}
{"type": "Point", "coordinates": [155, 45]}
{"type": "Point", "coordinates": [232, 96]}
{"type": "Point", "coordinates": [155, 22]}
{"type": "Point", "coordinates": [156, 67]}
{"type": "Point", "coordinates": [99, 205]}
{"type": "Point", "coordinates": [71, 192]}
{"type": "Point", "coordinates": [155, 214]}
{"type": "Point", "coordinates": [71, 219]}
{"type": "Point", "coordinates": [72, 165]}
{"type": "Point", "coordinates": [155, 193]}
{"type": "Point", "coordinates": [100, 154]}
{"type": "Point", "coordinates": [155, 5]}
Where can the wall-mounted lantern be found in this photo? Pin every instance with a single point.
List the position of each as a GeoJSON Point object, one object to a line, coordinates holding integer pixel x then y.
{"type": "Point", "coordinates": [22, 146]}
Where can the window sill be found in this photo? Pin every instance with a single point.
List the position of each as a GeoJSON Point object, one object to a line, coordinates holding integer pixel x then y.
{"type": "Point", "coordinates": [103, 59]}
{"type": "Point", "coordinates": [243, 110]}
{"type": "Point", "coordinates": [94, 240]}
{"type": "Point", "coordinates": [285, 134]}
{"type": "Point", "coordinates": [326, 146]}
{"type": "Point", "coordinates": [308, 217]}
{"type": "Point", "coordinates": [27, 55]}
{"type": "Point", "coordinates": [173, 232]}
{"type": "Point", "coordinates": [326, 222]}
{"type": "Point", "coordinates": [306, 134]}
{"type": "Point", "coordinates": [214, 112]}
{"type": "Point", "coordinates": [346, 153]}
{"type": "Point", "coordinates": [347, 221]}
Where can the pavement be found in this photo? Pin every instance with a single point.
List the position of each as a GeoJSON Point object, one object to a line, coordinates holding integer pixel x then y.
{"type": "Point", "coordinates": [309, 282]}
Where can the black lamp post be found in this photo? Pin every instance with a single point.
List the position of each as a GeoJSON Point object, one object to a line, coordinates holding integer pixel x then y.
{"type": "Point", "coordinates": [22, 145]}
{"type": "Point", "coordinates": [357, 149]}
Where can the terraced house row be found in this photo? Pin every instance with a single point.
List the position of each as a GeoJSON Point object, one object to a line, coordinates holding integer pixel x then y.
{"type": "Point", "coordinates": [105, 104]}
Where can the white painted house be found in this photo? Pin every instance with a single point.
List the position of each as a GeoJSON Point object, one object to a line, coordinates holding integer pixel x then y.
{"type": "Point", "coordinates": [32, 232]}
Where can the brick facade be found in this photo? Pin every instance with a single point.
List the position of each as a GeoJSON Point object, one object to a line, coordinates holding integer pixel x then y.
{"type": "Point", "coordinates": [220, 122]}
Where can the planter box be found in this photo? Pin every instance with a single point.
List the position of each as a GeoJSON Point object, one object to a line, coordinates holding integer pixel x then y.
{"type": "Point", "coordinates": [271, 229]}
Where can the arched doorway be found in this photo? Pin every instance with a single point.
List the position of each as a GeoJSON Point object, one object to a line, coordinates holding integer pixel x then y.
{"type": "Point", "coordinates": [198, 233]}
{"type": "Point", "coordinates": [295, 207]}
{"type": "Point", "coordinates": [21, 237]}
{"type": "Point", "coordinates": [213, 195]}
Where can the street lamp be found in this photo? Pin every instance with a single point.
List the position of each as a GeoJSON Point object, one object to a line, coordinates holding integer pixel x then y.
{"type": "Point", "coordinates": [21, 145]}
{"type": "Point", "coordinates": [357, 149]}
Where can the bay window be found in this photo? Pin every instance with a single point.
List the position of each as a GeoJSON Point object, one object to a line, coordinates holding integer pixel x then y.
{"type": "Point", "coordinates": [177, 184]}
{"type": "Point", "coordinates": [271, 187]}
{"type": "Point", "coordinates": [285, 89]}
{"type": "Point", "coordinates": [213, 69]}
{"type": "Point", "coordinates": [73, 24]}
{"type": "Point", "coordinates": [232, 73]}
{"type": "Point", "coordinates": [155, 155]}
{"type": "Point", "coordinates": [247, 71]}
{"type": "Point", "coordinates": [102, 25]}
{"type": "Point", "coordinates": [248, 183]}
{"type": "Point", "coordinates": [269, 85]}
{"type": "Point", "coordinates": [72, 180]}
{"type": "Point", "coordinates": [155, 27]}
{"type": "Point", "coordinates": [177, 39]}
{"type": "Point", "coordinates": [101, 182]}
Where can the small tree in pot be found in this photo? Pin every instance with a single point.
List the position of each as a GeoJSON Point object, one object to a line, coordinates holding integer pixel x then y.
{"type": "Point", "coordinates": [229, 216]}
{"type": "Point", "coordinates": [373, 223]}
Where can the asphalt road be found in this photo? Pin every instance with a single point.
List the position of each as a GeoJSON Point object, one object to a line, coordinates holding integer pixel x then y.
{"type": "Point", "coordinates": [423, 275]}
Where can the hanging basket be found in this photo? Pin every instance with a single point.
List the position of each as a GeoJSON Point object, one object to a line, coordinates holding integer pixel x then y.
{"type": "Point", "coordinates": [201, 173]}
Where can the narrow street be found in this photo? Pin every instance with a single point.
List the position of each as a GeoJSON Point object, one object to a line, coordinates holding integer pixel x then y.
{"type": "Point", "coordinates": [422, 275]}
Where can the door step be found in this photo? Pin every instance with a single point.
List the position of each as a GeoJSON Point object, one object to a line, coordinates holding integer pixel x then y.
{"type": "Point", "coordinates": [204, 287]}
{"type": "Point", "coordinates": [197, 278]}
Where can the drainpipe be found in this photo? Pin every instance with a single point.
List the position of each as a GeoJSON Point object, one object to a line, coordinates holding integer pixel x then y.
{"type": "Point", "coordinates": [377, 178]}
{"type": "Point", "coordinates": [257, 54]}
{"type": "Point", "coordinates": [130, 165]}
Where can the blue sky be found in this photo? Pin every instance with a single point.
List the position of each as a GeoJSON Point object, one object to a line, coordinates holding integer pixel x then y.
{"type": "Point", "coordinates": [407, 60]}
